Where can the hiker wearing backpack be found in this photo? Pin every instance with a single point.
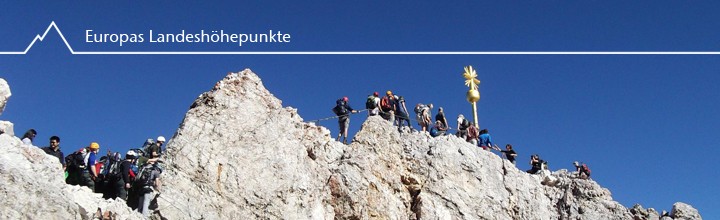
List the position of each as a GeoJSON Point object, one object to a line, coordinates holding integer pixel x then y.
{"type": "Point", "coordinates": [147, 184]}
{"type": "Point", "coordinates": [441, 117]}
{"type": "Point", "coordinates": [28, 137]}
{"type": "Point", "coordinates": [462, 127]}
{"type": "Point", "coordinates": [582, 169]}
{"type": "Point", "coordinates": [422, 113]}
{"type": "Point", "coordinates": [125, 175]}
{"type": "Point", "coordinates": [373, 104]}
{"type": "Point", "coordinates": [75, 166]}
{"type": "Point", "coordinates": [485, 141]}
{"type": "Point", "coordinates": [387, 106]}
{"type": "Point", "coordinates": [54, 149]}
{"type": "Point", "coordinates": [472, 134]}
{"type": "Point", "coordinates": [155, 150]}
{"type": "Point", "coordinates": [90, 173]}
{"type": "Point", "coordinates": [402, 115]}
{"type": "Point", "coordinates": [343, 110]}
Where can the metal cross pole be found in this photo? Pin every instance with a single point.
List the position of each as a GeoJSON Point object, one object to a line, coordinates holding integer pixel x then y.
{"type": "Point", "coordinates": [473, 95]}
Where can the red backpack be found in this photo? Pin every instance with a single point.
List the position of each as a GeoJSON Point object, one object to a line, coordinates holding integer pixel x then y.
{"type": "Point", "coordinates": [385, 103]}
{"type": "Point", "coordinates": [586, 169]}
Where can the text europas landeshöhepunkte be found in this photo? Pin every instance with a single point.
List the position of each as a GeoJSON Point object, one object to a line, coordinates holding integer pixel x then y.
{"type": "Point", "coordinates": [184, 37]}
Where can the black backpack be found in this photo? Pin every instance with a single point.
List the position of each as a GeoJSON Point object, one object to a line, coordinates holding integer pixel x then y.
{"type": "Point", "coordinates": [340, 108]}
{"type": "Point", "coordinates": [145, 177]}
{"type": "Point", "coordinates": [75, 160]}
{"type": "Point", "coordinates": [146, 147]}
{"type": "Point", "coordinates": [465, 124]}
{"type": "Point", "coordinates": [370, 103]}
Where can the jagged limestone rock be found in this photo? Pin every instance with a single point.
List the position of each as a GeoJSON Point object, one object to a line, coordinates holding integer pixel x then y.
{"type": "Point", "coordinates": [4, 94]}
{"type": "Point", "coordinates": [33, 187]}
{"type": "Point", "coordinates": [684, 211]}
{"type": "Point", "coordinates": [5, 126]}
{"type": "Point", "coordinates": [239, 154]}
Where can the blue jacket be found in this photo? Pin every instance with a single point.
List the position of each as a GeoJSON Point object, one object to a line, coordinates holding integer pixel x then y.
{"type": "Point", "coordinates": [485, 140]}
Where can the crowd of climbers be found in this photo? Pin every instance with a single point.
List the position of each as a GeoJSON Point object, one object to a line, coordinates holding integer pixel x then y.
{"type": "Point", "coordinates": [134, 178]}
{"type": "Point", "coordinates": [392, 107]}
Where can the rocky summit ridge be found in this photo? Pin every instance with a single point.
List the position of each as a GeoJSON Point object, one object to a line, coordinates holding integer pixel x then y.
{"type": "Point", "coordinates": [238, 154]}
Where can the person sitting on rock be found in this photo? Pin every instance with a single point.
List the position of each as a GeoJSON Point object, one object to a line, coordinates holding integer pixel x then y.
{"type": "Point", "coordinates": [583, 172]}
{"type": "Point", "coordinates": [438, 129]}
{"type": "Point", "coordinates": [536, 163]}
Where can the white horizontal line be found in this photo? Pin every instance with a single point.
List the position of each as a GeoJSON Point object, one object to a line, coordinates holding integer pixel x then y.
{"type": "Point", "coordinates": [396, 53]}
{"type": "Point", "coordinates": [54, 26]}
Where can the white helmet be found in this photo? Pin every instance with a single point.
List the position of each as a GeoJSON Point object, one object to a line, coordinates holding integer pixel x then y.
{"type": "Point", "coordinates": [131, 155]}
{"type": "Point", "coordinates": [161, 138]}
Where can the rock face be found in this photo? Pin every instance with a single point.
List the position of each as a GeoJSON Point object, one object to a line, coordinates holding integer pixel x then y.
{"type": "Point", "coordinates": [4, 94]}
{"type": "Point", "coordinates": [5, 126]}
{"type": "Point", "coordinates": [239, 154]}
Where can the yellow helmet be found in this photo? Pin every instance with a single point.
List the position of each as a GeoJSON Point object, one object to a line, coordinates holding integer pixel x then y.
{"type": "Point", "coordinates": [94, 145]}
{"type": "Point", "coordinates": [389, 93]}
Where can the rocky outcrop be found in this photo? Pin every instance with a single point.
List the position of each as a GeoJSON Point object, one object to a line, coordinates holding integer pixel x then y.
{"type": "Point", "coordinates": [5, 126]}
{"type": "Point", "coordinates": [4, 94]}
{"type": "Point", "coordinates": [239, 153]}
{"type": "Point", "coordinates": [33, 186]}
{"type": "Point", "coordinates": [35, 182]}
{"type": "Point", "coordinates": [684, 211]}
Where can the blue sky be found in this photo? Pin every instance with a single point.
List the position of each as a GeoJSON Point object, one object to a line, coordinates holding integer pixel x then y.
{"type": "Point", "coordinates": [644, 123]}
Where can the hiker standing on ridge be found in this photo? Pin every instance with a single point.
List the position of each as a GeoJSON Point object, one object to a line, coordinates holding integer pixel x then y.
{"type": "Point", "coordinates": [402, 113]}
{"type": "Point", "coordinates": [125, 179]}
{"type": "Point", "coordinates": [156, 148]}
{"type": "Point", "coordinates": [387, 105]}
{"type": "Point", "coordinates": [462, 126]}
{"type": "Point", "coordinates": [485, 141]}
{"type": "Point", "coordinates": [373, 104]}
{"type": "Point", "coordinates": [423, 113]}
{"type": "Point", "coordinates": [441, 117]}
{"type": "Point", "coordinates": [148, 182]}
{"type": "Point", "coordinates": [509, 153]}
{"type": "Point", "coordinates": [90, 174]}
{"type": "Point", "coordinates": [343, 110]}
{"type": "Point", "coordinates": [29, 136]}
{"type": "Point", "coordinates": [472, 136]}
{"type": "Point", "coordinates": [54, 149]}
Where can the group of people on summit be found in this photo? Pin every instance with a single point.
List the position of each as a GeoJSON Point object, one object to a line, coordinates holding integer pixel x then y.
{"type": "Point", "coordinates": [392, 107]}
{"type": "Point", "coordinates": [134, 178]}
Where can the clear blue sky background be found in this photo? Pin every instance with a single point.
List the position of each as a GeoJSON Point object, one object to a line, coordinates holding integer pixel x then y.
{"type": "Point", "coordinates": [646, 124]}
